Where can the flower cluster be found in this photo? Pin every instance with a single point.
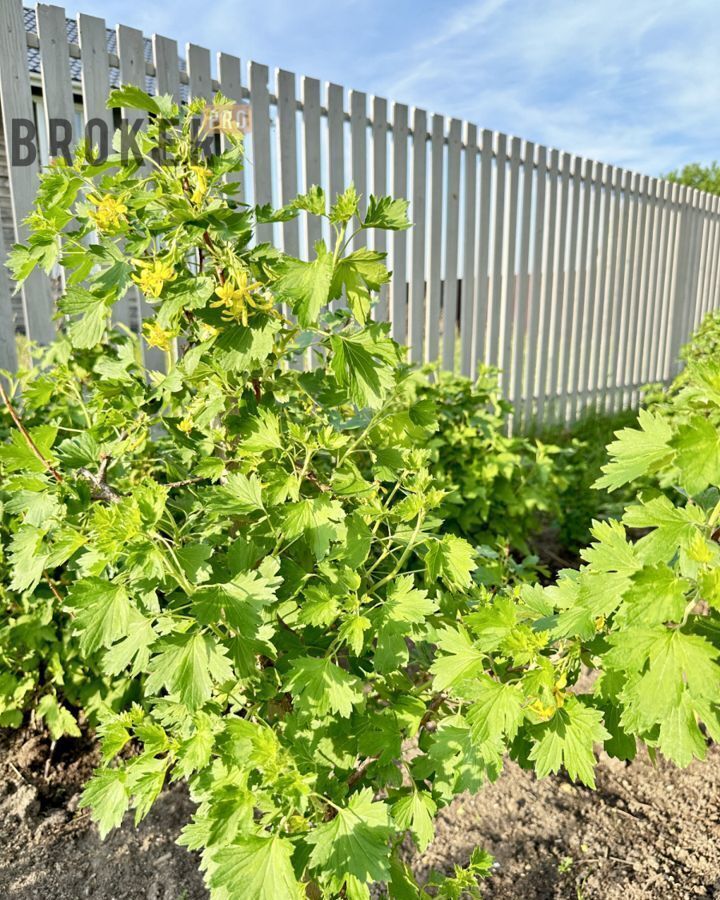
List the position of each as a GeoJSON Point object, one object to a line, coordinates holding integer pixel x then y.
{"type": "Point", "coordinates": [109, 213]}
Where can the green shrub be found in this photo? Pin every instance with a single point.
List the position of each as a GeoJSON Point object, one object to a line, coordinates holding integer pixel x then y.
{"type": "Point", "coordinates": [42, 668]}
{"type": "Point", "coordinates": [499, 489]}
{"type": "Point", "coordinates": [261, 549]}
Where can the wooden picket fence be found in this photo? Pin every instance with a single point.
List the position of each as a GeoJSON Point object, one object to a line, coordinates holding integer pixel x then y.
{"type": "Point", "coordinates": [579, 280]}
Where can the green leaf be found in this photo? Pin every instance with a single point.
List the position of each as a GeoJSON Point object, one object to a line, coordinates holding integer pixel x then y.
{"type": "Point", "coordinates": [451, 559]}
{"type": "Point", "coordinates": [319, 519]}
{"type": "Point", "coordinates": [362, 365]}
{"type": "Point", "coordinates": [108, 798]}
{"type": "Point", "coordinates": [239, 494]}
{"type": "Point", "coordinates": [345, 206]}
{"type": "Point", "coordinates": [637, 452]}
{"type": "Point", "coordinates": [387, 213]}
{"type": "Point", "coordinates": [131, 97]}
{"type": "Point", "coordinates": [306, 285]}
{"type": "Point", "coordinates": [322, 687]}
{"type": "Point", "coordinates": [186, 664]}
{"type": "Point", "coordinates": [17, 455]}
{"type": "Point", "coordinates": [313, 202]}
{"type": "Point", "coordinates": [102, 612]}
{"type": "Point", "coordinates": [357, 276]}
{"type": "Point", "coordinates": [460, 659]}
{"type": "Point", "coordinates": [415, 811]}
{"type": "Point", "coordinates": [355, 842]}
{"type": "Point", "coordinates": [698, 454]}
{"type": "Point", "coordinates": [497, 711]}
{"type": "Point", "coordinates": [568, 740]}
{"type": "Point", "coordinates": [256, 868]}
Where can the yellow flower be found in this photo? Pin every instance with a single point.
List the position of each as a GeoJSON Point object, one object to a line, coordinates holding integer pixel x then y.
{"type": "Point", "coordinates": [236, 296]}
{"type": "Point", "coordinates": [157, 336]}
{"type": "Point", "coordinates": [154, 274]}
{"type": "Point", "coordinates": [109, 212]}
{"type": "Point", "coordinates": [186, 426]}
{"type": "Point", "coordinates": [201, 188]}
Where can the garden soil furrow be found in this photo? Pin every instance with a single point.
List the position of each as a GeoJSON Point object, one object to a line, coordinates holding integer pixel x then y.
{"type": "Point", "coordinates": [648, 832]}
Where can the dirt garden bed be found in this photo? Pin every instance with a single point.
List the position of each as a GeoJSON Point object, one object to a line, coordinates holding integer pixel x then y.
{"type": "Point", "coordinates": [647, 832]}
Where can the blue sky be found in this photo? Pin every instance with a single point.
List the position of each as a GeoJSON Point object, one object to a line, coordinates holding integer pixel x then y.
{"type": "Point", "coordinates": [635, 83]}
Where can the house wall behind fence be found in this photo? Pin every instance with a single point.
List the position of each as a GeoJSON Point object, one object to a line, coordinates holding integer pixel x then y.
{"type": "Point", "coordinates": [580, 280]}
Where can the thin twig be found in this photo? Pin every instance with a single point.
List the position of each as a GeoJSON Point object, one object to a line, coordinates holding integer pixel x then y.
{"type": "Point", "coordinates": [28, 440]}
{"type": "Point", "coordinates": [361, 770]}
{"type": "Point", "coordinates": [56, 592]}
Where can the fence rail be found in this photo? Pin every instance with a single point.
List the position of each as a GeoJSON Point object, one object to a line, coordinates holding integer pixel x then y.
{"type": "Point", "coordinates": [580, 280]}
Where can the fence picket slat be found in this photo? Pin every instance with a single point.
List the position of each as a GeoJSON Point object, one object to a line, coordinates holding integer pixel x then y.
{"type": "Point", "coordinates": [495, 311]}
{"type": "Point", "coordinates": [649, 298]}
{"type": "Point", "coordinates": [623, 284]}
{"type": "Point", "coordinates": [587, 329]}
{"type": "Point", "coordinates": [199, 75]}
{"type": "Point", "coordinates": [569, 296]}
{"type": "Point", "coordinates": [379, 188]}
{"type": "Point", "coordinates": [536, 293]}
{"type": "Point", "coordinates": [576, 297]}
{"type": "Point", "coordinates": [399, 287]}
{"type": "Point", "coordinates": [95, 72]}
{"type": "Point", "coordinates": [58, 105]}
{"type": "Point", "coordinates": [602, 317]}
{"type": "Point", "coordinates": [311, 155]}
{"type": "Point", "coordinates": [261, 161]}
{"type": "Point", "coordinates": [167, 66]}
{"type": "Point", "coordinates": [467, 302]}
{"type": "Point", "coordinates": [452, 225]}
{"type": "Point", "coordinates": [432, 317]}
{"type": "Point", "coordinates": [546, 344]}
{"type": "Point", "coordinates": [671, 196]}
{"type": "Point", "coordinates": [230, 81]}
{"type": "Point", "coordinates": [482, 285]}
{"type": "Point", "coordinates": [660, 283]}
{"type": "Point", "coordinates": [416, 306]}
{"type": "Point", "coordinates": [358, 155]}
{"type": "Point", "coordinates": [509, 284]}
{"type": "Point", "coordinates": [519, 348]}
{"type": "Point", "coordinates": [287, 153]}
{"type": "Point", "coordinates": [17, 106]}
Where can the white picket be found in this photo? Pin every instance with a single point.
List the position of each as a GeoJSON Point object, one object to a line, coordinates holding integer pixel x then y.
{"type": "Point", "coordinates": [416, 305]}
{"type": "Point", "coordinates": [432, 309]}
{"type": "Point", "coordinates": [567, 263]}
{"type": "Point", "coordinates": [585, 327]}
{"type": "Point", "coordinates": [95, 75]}
{"type": "Point", "coordinates": [230, 83]}
{"type": "Point", "coordinates": [358, 155]}
{"type": "Point", "coordinates": [529, 382]}
{"type": "Point", "coordinates": [547, 337]}
{"type": "Point", "coordinates": [311, 117]}
{"type": "Point", "coordinates": [469, 247]}
{"type": "Point", "coordinates": [167, 66]}
{"type": "Point", "coordinates": [379, 188]}
{"type": "Point", "coordinates": [580, 308]}
{"type": "Point", "coordinates": [519, 346]}
{"type": "Point", "coordinates": [495, 311]}
{"type": "Point", "coordinates": [482, 285]}
{"type": "Point", "coordinates": [261, 158]}
{"type": "Point", "coordinates": [399, 289]}
{"type": "Point", "coordinates": [287, 154]}
{"type": "Point", "coordinates": [508, 273]}
{"type": "Point", "coordinates": [200, 79]}
{"type": "Point", "coordinates": [452, 225]}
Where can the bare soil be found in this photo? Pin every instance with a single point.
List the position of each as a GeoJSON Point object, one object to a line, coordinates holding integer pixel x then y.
{"type": "Point", "coordinates": [647, 832]}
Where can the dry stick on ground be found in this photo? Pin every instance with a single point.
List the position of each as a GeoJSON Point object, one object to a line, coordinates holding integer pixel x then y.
{"type": "Point", "coordinates": [28, 440]}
